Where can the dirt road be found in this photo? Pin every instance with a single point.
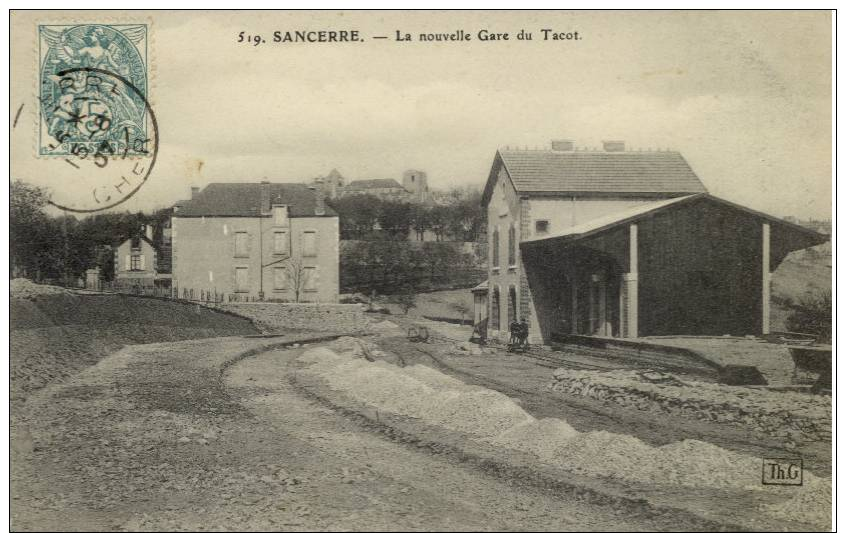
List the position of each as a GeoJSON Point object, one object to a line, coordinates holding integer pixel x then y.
{"type": "Point", "coordinates": [174, 436]}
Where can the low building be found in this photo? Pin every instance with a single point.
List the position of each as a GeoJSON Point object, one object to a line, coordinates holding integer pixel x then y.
{"type": "Point", "coordinates": [271, 241]}
{"type": "Point", "coordinates": [625, 244]}
{"type": "Point", "coordinates": [140, 261]}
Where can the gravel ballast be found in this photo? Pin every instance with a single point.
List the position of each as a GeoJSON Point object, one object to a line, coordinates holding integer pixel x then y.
{"type": "Point", "coordinates": [493, 418]}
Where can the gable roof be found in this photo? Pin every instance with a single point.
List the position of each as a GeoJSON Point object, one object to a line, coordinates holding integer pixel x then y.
{"type": "Point", "coordinates": [599, 225]}
{"type": "Point", "coordinates": [244, 200]}
{"type": "Point", "coordinates": [137, 235]}
{"type": "Point", "coordinates": [382, 183]}
{"type": "Point", "coordinates": [586, 173]}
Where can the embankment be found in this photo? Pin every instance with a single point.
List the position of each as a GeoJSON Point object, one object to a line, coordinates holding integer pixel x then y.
{"type": "Point", "coordinates": [55, 334]}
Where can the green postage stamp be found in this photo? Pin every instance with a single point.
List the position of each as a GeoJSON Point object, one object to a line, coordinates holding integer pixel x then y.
{"type": "Point", "coordinates": [93, 83]}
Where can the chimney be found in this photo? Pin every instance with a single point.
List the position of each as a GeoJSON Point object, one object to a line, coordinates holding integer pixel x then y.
{"type": "Point", "coordinates": [194, 192]}
{"type": "Point", "coordinates": [319, 201]}
{"type": "Point", "coordinates": [614, 146]}
{"type": "Point", "coordinates": [563, 145]}
{"type": "Point", "coordinates": [265, 197]}
{"type": "Point", "coordinates": [148, 231]}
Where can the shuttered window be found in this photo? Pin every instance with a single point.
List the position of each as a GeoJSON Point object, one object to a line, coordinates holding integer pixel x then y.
{"type": "Point", "coordinates": [310, 281]}
{"type": "Point", "coordinates": [512, 246]}
{"type": "Point", "coordinates": [242, 244]}
{"type": "Point", "coordinates": [280, 242]}
{"type": "Point", "coordinates": [309, 243]}
{"type": "Point", "coordinates": [280, 278]}
{"type": "Point", "coordinates": [495, 248]}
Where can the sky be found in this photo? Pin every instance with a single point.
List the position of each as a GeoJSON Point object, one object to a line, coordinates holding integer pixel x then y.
{"type": "Point", "coordinates": [744, 96]}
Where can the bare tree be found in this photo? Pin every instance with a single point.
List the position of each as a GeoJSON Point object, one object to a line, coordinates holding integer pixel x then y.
{"type": "Point", "coordinates": [298, 276]}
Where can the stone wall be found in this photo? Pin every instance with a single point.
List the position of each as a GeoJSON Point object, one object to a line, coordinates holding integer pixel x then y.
{"type": "Point", "coordinates": [790, 415]}
{"type": "Point", "coordinates": [274, 317]}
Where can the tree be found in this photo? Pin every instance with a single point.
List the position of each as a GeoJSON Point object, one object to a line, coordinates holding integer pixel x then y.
{"type": "Point", "coordinates": [394, 218]}
{"type": "Point", "coordinates": [30, 232]}
{"type": "Point", "coordinates": [812, 314]}
{"type": "Point", "coordinates": [405, 299]}
{"type": "Point", "coordinates": [439, 217]}
{"type": "Point", "coordinates": [419, 219]}
{"type": "Point", "coordinates": [298, 276]}
{"type": "Point", "coordinates": [358, 215]}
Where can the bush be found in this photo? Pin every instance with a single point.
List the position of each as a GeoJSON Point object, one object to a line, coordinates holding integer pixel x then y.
{"type": "Point", "coordinates": [387, 266]}
{"type": "Point", "coordinates": [812, 314]}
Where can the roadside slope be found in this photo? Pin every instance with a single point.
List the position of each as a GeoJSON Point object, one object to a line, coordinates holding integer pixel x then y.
{"type": "Point", "coordinates": [57, 334]}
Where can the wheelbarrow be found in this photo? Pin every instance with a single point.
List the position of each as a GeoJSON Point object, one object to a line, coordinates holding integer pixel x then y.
{"type": "Point", "coordinates": [418, 334]}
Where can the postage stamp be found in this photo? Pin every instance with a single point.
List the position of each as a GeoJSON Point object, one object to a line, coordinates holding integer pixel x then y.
{"type": "Point", "coordinates": [81, 110]}
{"type": "Point", "coordinates": [96, 127]}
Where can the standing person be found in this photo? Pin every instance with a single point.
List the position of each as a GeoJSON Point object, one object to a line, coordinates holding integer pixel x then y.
{"type": "Point", "coordinates": [524, 332]}
{"type": "Point", "coordinates": [514, 328]}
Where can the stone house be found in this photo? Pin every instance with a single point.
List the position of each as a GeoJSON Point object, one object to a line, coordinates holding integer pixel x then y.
{"type": "Point", "coordinates": [140, 261]}
{"type": "Point", "coordinates": [617, 243]}
{"type": "Point", "coordinates": [271, 241]}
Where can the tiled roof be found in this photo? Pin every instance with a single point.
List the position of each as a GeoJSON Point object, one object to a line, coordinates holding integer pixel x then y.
{"type": "Point", "coordinates": [244, 199]}
{"type": "Point", "coordinates": [384, 183]}
{"type": "Point", "coordinates": [583, 172]}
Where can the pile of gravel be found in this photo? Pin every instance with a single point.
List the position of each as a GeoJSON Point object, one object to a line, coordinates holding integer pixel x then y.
{"type": "Point", "coordinates": [26, 289]}
{"type": "Point", "coordinates": [542, 438]}
{"type": "Point", "coordinates": [491, 417]}
{"type": "Point", "coordinates": [811, 505]}
{"type": "Point", "coordinates": [419, 393]}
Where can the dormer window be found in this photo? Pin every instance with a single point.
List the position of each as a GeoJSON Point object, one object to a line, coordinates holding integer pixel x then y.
{"type": "Point", "coordinates": [280, 215]}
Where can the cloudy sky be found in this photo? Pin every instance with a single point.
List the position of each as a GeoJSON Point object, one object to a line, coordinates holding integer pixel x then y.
{"type": "Point", "coordinates": [745, 97]}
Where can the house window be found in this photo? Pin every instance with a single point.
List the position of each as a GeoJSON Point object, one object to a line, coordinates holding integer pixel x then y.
{"type": "Point", "coordinates": [136, 262]}
{"type": "Point", "coordinates": [512, 243]}
{"type": "Point", "coordinates": [280, 242]}
{"type": "Point", "coordinates": [280, 215]}
{"type": "Point", "coordinates": [241, 242]}
{"type": "Point", "coordinates": [310, 279]}
{"type": "Point", "coordinates": [280, 278]}
{"type": "Point", "coordinates": [495, 248]}
{"type": "Point", "coordinates": [495, 308]}
{"type": "Point", "coordinates": [242, 279]}
{"type": "Point", "coordinates": [309, 243]}
{"type": "Point", "coordinates": [541, 227]}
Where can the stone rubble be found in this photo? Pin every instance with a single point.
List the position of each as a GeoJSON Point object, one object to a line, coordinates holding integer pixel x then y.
{"type": "Point", "coordinates": [791, 415]}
